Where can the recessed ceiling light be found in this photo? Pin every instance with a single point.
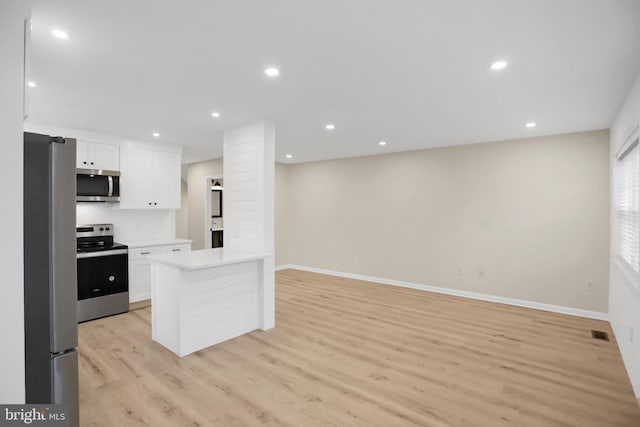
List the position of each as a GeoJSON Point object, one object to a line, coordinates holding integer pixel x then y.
{"type": "Point", "coordinates": [156, 134]}
{"type": "Point", "coordinates": [530, 125]}
{"type": "Point", "coordinates": [60, 34]}
{"type": "Point", "coordinates": [330, 126]}
{"type": "Point", "coordinates": [382, 143]}
{"type": "Point", "coordinates": [32, 84]}
{"type": "Point", "coordinates": [289, 156]}
{"type": "Point", "coordinates": [498, 65]}
{"type": "Point", "coordinates": [215, 114]}
{"type": "Point", "coordinates": [272, 72]}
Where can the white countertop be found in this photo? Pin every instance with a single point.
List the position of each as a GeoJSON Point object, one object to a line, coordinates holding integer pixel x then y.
{"type": "Point", "coordinates": [144, 243]}
{"type": "Point", "coordinates": [207, 258]}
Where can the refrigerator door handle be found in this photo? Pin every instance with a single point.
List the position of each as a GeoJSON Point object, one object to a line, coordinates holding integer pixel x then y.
{"type": "Point", "coordinates": [64, 288]}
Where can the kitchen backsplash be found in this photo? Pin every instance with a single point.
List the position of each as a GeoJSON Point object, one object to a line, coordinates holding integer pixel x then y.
{"type": "Point", "coordinates": [129, 225]}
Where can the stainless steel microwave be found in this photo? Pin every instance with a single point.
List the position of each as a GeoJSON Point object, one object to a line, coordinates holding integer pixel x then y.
{"type": "Point", "coordinates": [95, 185]}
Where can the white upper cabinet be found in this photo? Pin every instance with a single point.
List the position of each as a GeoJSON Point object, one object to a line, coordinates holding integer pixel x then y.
{"type": "Point", "coordinates": [166, 179]}
{"type": "Point", "coordinates": [82, 155]}
{"type": "Point", "coordinates": [93, 155]}
{"type": "Point", "coordinates": [150, 179]}
{"type": "Point", "coordinates": [135, 178]}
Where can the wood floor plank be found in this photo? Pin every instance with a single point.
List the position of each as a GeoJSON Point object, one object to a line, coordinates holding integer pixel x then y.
{"type": "Point", "coordinates": [352, 353]}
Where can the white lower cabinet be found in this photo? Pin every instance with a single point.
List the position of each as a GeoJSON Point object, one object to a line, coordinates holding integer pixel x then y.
{"type": "Point", "coordinates": [140, 268]}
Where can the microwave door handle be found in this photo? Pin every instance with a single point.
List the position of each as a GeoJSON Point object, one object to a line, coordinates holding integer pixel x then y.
{"type": "Point", "coordinates": [110, 179]}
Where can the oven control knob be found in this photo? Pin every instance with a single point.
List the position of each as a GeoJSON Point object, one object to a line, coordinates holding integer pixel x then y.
{"type": "Point", "coordinates": [107, 228]}
{"type": "Point", "coordinates": [112, 278]}
{"type": "Point", "coordinates": [101, 229]}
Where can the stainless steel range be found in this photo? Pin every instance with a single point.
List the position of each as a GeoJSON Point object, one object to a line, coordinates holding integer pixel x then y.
{"type": "Point", "coordinates": [103, 273]}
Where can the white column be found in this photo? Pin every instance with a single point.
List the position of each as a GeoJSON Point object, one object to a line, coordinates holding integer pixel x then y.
{"type": "Point", "coordinates": [248, 200]}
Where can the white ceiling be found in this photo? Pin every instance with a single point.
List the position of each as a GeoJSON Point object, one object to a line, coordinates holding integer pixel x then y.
{"type": "Point", "coordinates": [414, 73]}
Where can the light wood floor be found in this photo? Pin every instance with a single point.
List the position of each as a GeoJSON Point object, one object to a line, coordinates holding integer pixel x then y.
{"type": "Point", "coordinates": [350, 353]}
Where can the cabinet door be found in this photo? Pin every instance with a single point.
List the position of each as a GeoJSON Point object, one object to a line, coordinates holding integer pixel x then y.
{"type": "Point", "coordinates": [82, 155]}
{"type": "Point", "coordinates": [104, 156]}
{"type": "Point", "coordinates": [140, 272]}
{"type": "Point", "coordinates": [135, 178]}
{"type": "Point", "coordinates": [139, 280]}
{"type": "Point", "coordinates": [166, 180]}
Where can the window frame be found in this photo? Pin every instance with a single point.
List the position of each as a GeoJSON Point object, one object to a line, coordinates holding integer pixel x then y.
{"type": "Point", "coordinates": [631, 143]}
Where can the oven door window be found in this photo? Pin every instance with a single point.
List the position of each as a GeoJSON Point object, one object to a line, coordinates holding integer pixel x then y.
{"type": "Point", "coordinates": [102, 275]}
{"type": "Point", "coordinates": [92, 185]}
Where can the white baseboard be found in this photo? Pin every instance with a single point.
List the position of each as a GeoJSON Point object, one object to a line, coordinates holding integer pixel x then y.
{"type": "Point", "coordinates": [140, 297]}
{"type": "Point", "coordinates": [455, 292]}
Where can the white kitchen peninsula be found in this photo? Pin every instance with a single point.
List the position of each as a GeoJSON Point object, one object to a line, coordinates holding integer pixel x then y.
{"type": "Point", "coordinates": [204, 297]}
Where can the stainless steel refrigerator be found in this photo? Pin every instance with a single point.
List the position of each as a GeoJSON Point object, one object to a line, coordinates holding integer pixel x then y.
{"type": "Point", "coordinates": [50, 288]}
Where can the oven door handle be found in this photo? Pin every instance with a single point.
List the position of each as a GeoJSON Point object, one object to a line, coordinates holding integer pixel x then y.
{"type": "Point", "coordinates": [110, 180]}
{"type": "Point", "coordinates": [101, 253]}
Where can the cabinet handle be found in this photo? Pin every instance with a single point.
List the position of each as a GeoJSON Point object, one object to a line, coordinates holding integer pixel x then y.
{"type": "Point", "coordinates": [176, 250]}
{"type": "Point", "coordinates": [145, 253]}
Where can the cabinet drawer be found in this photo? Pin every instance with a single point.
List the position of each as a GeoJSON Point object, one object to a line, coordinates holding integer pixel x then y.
{"type": "Point", "coordinates": [176, 248]}
{"type": "Point", "coordinates": [141, 253]}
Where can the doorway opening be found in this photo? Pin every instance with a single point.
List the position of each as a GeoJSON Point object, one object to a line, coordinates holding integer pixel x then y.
{"type": "Point", "coordinates": [213, 212]}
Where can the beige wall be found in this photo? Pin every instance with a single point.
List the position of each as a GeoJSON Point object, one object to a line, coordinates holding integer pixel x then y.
{"type": "Point", "coordinates": [196, 176]}
{"type": "Point", "coordinates": [282, 239]}
{"type": "Point", "coordinates": [182, 214]}
{"type": "Point", "coordinates": [525, 219]}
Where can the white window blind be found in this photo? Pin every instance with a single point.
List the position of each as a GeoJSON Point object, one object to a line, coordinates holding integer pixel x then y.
{"type": "Point", "coordinates": [627, 206]}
